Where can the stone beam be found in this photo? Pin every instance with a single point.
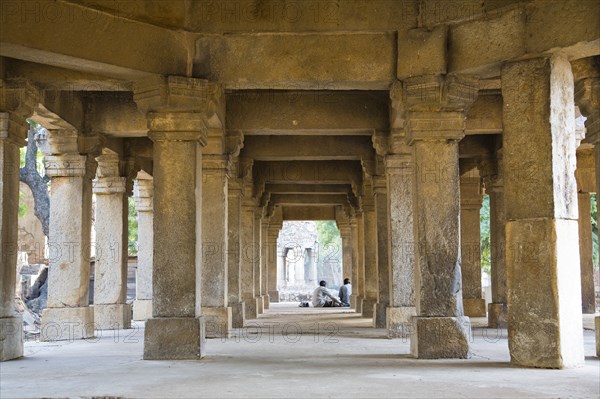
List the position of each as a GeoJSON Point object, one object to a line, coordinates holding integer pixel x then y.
{"type": "Point", "coordinates": [91, 41]}
{"type": "Point", "coordinates": [307, 148]}
{"type": "Point", "coordinates": [307, 112]}
{"type": "Point", "coordinates": [309, 199]}
{"type": "Point", "coordinates": [114, 114]}
{"type": "Point", "coordinates": [308, 188]}
{"type": "Point", "coordinates": [52, 78]}
{"type": "Point", "coordinates": [321, 172]}
{"type": "Point", "coordinates": [233, 60]}
{"type": "Point", "coordinates": [308, 212]}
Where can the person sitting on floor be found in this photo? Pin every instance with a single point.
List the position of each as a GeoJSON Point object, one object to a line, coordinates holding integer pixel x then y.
{"type": "Point", "coordinates": [322, 298]}
{"type": "Point", "coordinates": [345, 292]}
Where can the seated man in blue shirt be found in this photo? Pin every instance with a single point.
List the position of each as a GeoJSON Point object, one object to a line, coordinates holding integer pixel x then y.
{"type": "Point", "coordinates": [322, 298]}
{"type": "Point", "coordinates": [345, 292]}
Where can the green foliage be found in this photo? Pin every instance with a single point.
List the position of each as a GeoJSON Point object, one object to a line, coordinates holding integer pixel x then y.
{"type": "Point", "coordinates": [484, 223]}
{"type": "Point", "coordinates": [22, 152]}
{"type": "Point", "coordinates": [594, 216]}
{"type": "Point", "coordinates": [22, 205]}
{"type": "Point", "coordinates": [133, 228]}
{"type": "Point", "coordinates": [328, 233]}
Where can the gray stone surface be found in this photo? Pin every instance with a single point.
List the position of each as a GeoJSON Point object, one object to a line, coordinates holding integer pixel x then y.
{"type": "Point", "coordinates": [112, 317]}
{"type": "Point", "coordinates": [11, 341]}
{"type": "Point", "coordinates": [67, 324]}
{"type": "Point", "coordinates": [441, 337]}
{"type": "Point", "coordinates": [174, 338]}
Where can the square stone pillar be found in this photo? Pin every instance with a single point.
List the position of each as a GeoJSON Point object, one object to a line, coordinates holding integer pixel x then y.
{"type": "Point", "coordinates": [178, 111]}
{"type": "Point", "coordinates": [248, 254]}
{"type": "Point", "coordinates": [359, 287]}
{"type": "Point", "coordinates": [111, 312]}
{"type": "Point", "coordinates": [354, 279]}
{"type": "Point", "coordinates": [257, 259]}
{"type": "Point", "coordinates": [494, 185]}
{"type": "Point", "coordinates": [400, 173]}
{"type": "Point", "coordinates": [588, 295]}
{"type": "Point", "coordinates": [11, 322]}
{"type": "Point", "coordinates": [143, 193]}
{"type": "Point", "coordinates": [542, 240]}
{"type": "Point", "coordinates": [234, 248]}
{"type": "Point", "coordinates": [217, 314]}
{"type": "Point", "coordinates": [264, 262]}
{"type": "Point", "coordinates": [370, 250]}
{"type": "Point", "coordinates": [470, 238]}
{"type": "Point", "coordinates": [383, 246]}
{"type": "Point", "coordinates": [274, 228]}
{"type": "Point", "coordinates": [68, 315]}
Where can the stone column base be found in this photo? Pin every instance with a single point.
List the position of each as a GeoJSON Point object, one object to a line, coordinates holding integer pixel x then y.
{"type": "Point", "coordinates": [441, 338]}
{"type": "Point", "coordinates": [274, 296]}
{"type": "Point", "coordinates": [115, 316]}
{"type": "Point", "coordinates": [356, 303]}
{"type": "Point", "coordinates": [400, 321]}
{"type": "Point", "coordinates": [497, 315]}
{"type": "Point", "coordinates": [474, 307]}
{"type": "Point", "coordinates": [174, 338]}
{"type": "Point", "coordinates": [60, 324]}
{"type": "Point", "coordinates": [142, 309]}
{"type": "Point", "coordinates": [597, 321]}
{"type": "Point", "coordinates": [217, 322]}
{"type": "Point", "coordinates": [368, 307]}
{"type": "Point", "coordinates": [380, 318]}
{"type": "Point", "coordinates": [11, 338]}
{"type": "Point", "coordinates": [250, 308]}
{"type": "Point", "coordinates": [260, 305]}
{"type": "Point", "coordinates": [266, 302]}
{"type": "Point", "coordinates": [238, 314]}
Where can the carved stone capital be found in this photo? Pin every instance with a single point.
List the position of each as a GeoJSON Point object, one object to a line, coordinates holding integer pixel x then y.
{"type": "Point", "coordinates": [19, 96]}
{"type": "Point", "coordinates": [56, 142]}
{"type": "Point", "coordinates": [234, 142]}
{"type": "Point", "coordinates": [66, 165]}
{"type": "Point", "coordinates": [448, 126]}
{"type": "Point", "coordinates": [177, 126]}
{"type": "Point", "coordinates": [11, 128]}
{"type": "Point", "coordinates": [439, 92]}
{"type": "Point", "coordinates": [380, 143]}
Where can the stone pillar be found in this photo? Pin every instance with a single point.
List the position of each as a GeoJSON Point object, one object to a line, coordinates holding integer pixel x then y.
{"type": "Point", "coordinates": [360, 243]}
{"type": "Point", "coordinates": [274, 229]}
{"type": "Point", "coordinates": [264, 262]}
{"type": "Point", "coordinates": [346, 234]}
{"type": "Point", "coordinates": [497, 310]}
{"type": "Point", "coordinates": [178, 110]}
{"type": "Point", "coordinates": [215, 310]}
{"type": "Point", "coordinates": [355, 264]}
{"type": "Point", "coordinates": [435, 118]}
{"type": "Point", "coordinates": [383, 243]}
{"type": "Point", "coordinates": [470, 237]}
{"type": "Point", "coordinates": [248, 254]}
{"type": "Point", "coordinates": [68, 315]}
{"type": "Point", "coordinates": [370, 248]}
{"type": "Point", "coordinates": [234, 248]}
{"type": "Point", "coordinates": [542, 240]}
{"type": "Point", "coordinates": [401, 185]}
{"type": "Point", "coordinates": [11, 322]}
{"type": "Point", "coordinates": [257, 259]}
{"type": "Point", "coordinates": [588, 295]}
{"type": "Point", "coordinates": [110, 283]}
{"type": "Point", "coordinates": [143, 193]}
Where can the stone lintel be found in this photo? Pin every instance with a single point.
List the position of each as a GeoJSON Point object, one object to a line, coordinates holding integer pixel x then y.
{"type": "Point", "coordinates": [174, 338]}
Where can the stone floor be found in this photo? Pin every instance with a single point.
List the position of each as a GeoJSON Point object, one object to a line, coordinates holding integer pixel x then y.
{"type": "Point", "coordinates": [347, 358]}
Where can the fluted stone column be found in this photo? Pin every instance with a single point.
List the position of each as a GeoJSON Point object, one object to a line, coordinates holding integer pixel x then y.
{"type": "Point", "coordinates": [110, 283]}
{"type": "Point", "coordinates": [542, 240]}
{"type": "Point", "coordinates": [274, 228]}
{"type": "Point", "coordinates": [470, 238]}
{"type": "Point", "coordinates": [143, 194]}
{"type": "Point", "coordinates": [234, 248]}
{"type": "Point", "coordinates": [588, 295]}
{"type": "Point", "coordinates": [11, 322]}
{"type": "Point", "coordinates": [400, 173]}
{"type": "Point", "coordinates": [68, 315]}
{"type": "Point", "coordinates": [178, 110]}
{"type": "Point", "coordinates": [370, 248]}
{"type": "Point", "coordinates": [497, 309]}
{"type": "Point", "coordinates": [383, 246]}
{"type": "Point", "coordinates": [248, 254]}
